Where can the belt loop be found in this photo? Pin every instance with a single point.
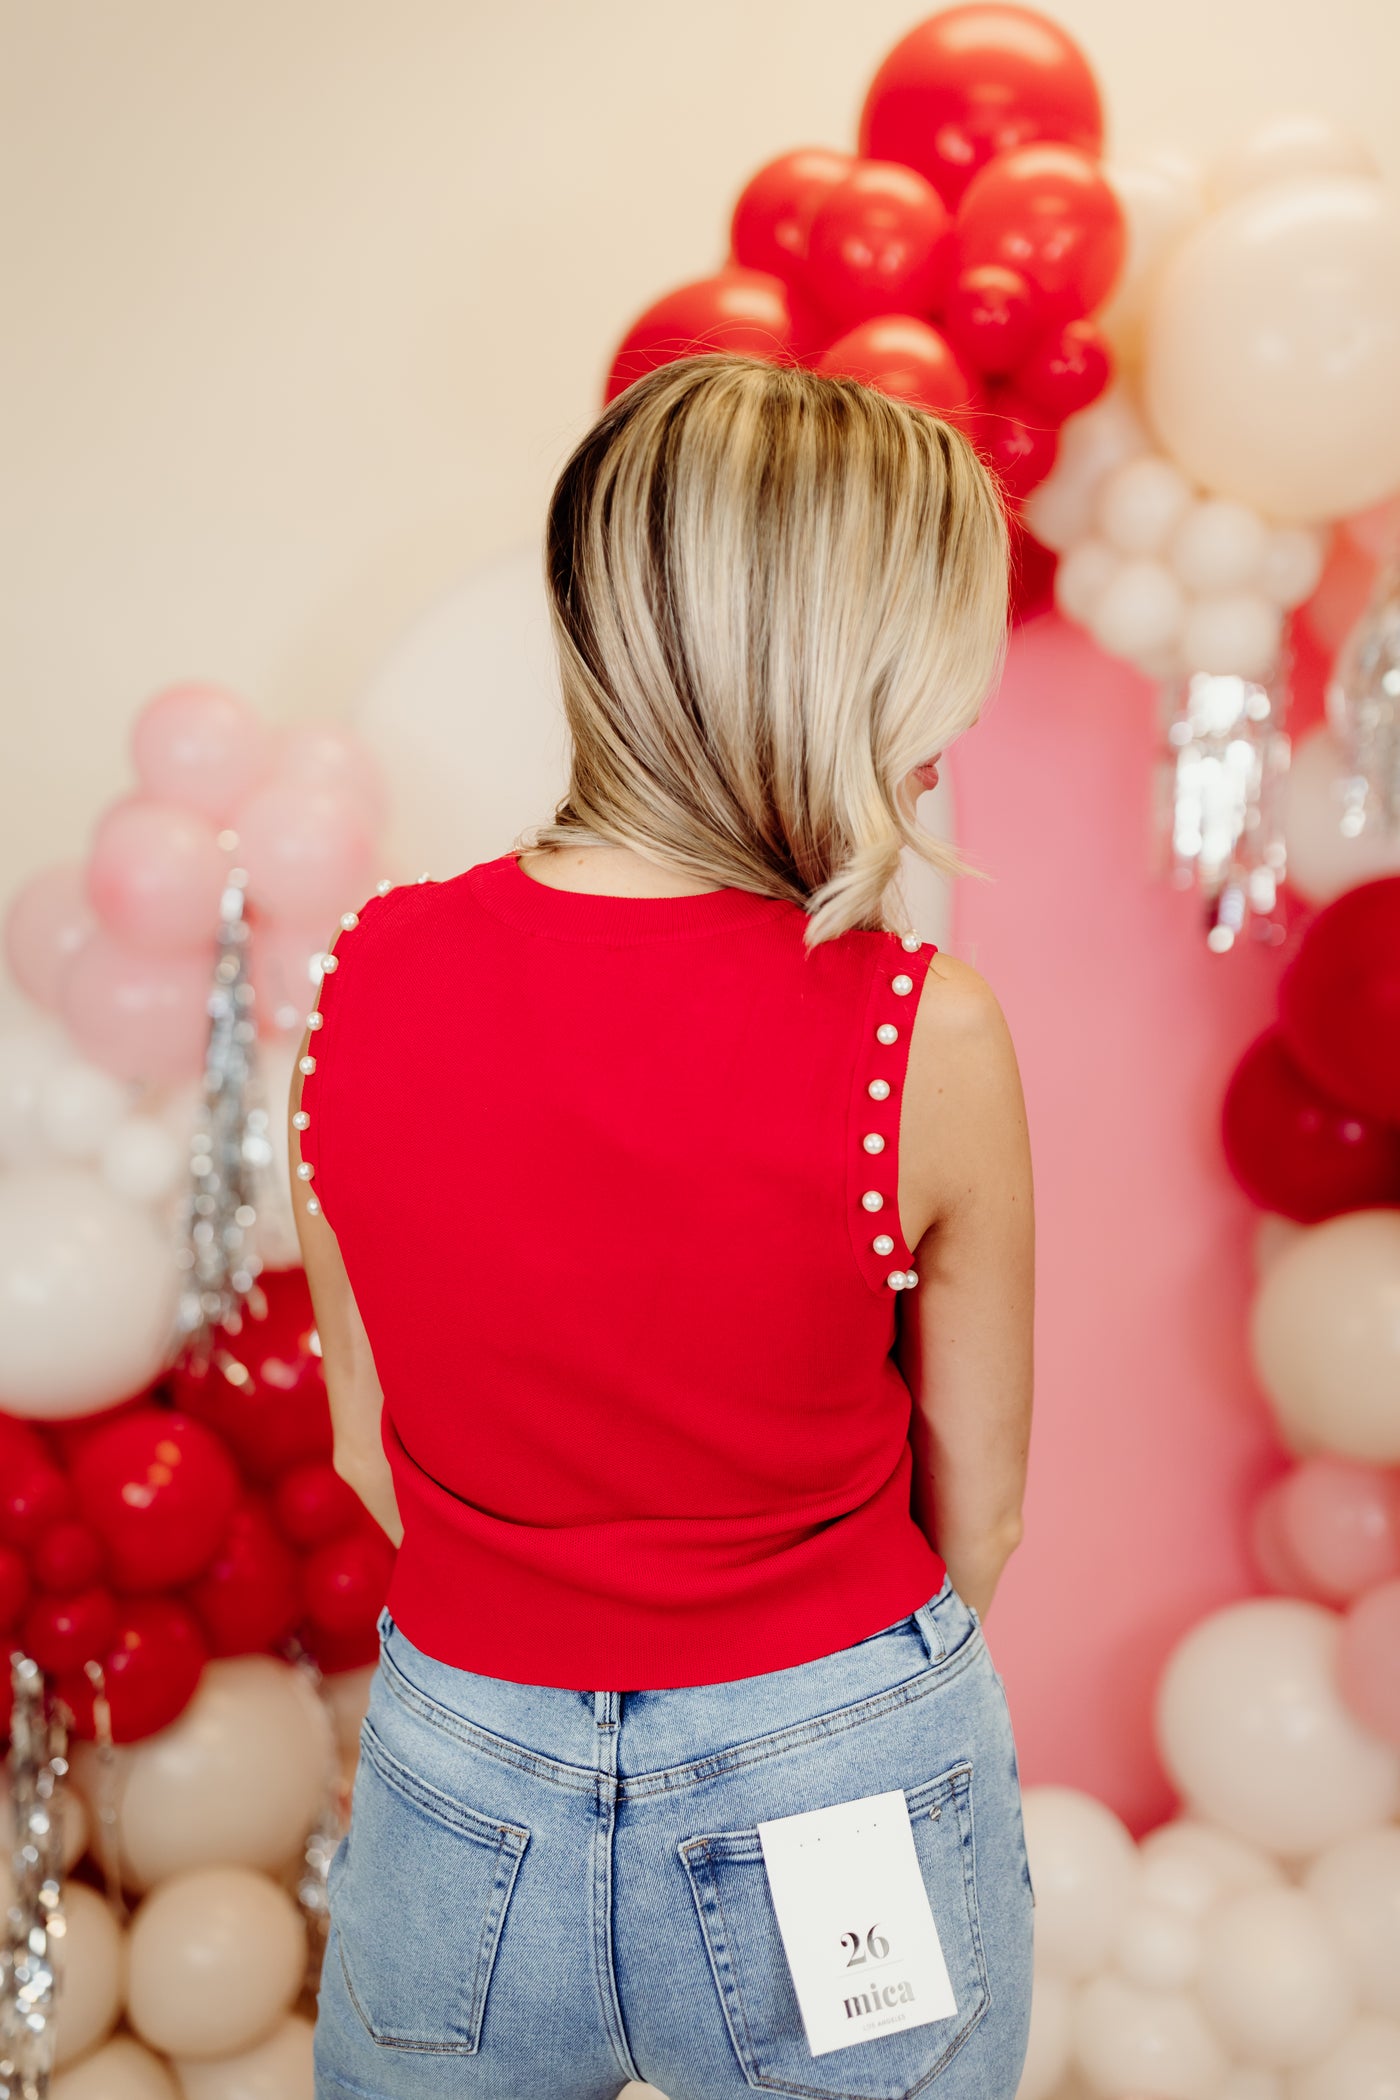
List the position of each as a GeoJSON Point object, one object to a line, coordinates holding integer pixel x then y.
{"type": "Point", "coordinates": [931, 1632]}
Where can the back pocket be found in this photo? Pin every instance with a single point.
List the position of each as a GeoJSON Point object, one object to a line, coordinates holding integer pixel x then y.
{"type": "Point", "coordinates": [730, 1885]}
{"type": "Point", "coordinates": [418, 1895]}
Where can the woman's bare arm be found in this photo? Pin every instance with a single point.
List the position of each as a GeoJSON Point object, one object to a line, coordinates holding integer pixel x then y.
{"type": "Point", "coordinates": [965, 1341]}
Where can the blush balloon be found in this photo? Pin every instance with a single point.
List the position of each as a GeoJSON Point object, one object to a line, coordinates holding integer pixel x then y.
{"type": "Point", "coordinates": [1049, 212]}
{"type": "Point", "coordinates": [202, 746]}
{"type": "Point", "coordinates": [905, 357]}
{"type": "Point", "coordinates": [155, 875]}
{"type": "Point", "coordinates": [141, 1016]}
{"type": "Point", "coordinates": [737, 309]}
{"type": "Point", "coordinates": [1341, 1522]}
{"type": "Point", "coordinates": [1339, 999]}
{"type": "Point", "coordinates": [1272, 1548]}
{"type": "Point", "coordinates": [307, 850]}
{"type": "Point", "coordinates": [159, 1489]}
{"type": "Point", "coordinates": [323, 755]}
{"type": "Point", "coordinates": [1368, 1661]}
{"type": "Point", "coordinates": [881, 242]}
{"type": "Point", "coordinates": [1296, 1150]}
{"type": "Point", "coordinates": [46, 923]}
{"type": "Point", "coordinates": [151, 1666]}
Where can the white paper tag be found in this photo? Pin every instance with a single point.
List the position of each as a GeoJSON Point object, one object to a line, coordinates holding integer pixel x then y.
{"type": "Point", "coordinates": [857, 1927]}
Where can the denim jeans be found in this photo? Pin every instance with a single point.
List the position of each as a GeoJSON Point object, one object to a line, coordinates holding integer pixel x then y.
{"type": "Point", "coordinates": [546, 1893]}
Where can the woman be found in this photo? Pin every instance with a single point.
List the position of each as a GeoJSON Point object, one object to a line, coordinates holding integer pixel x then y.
{"type": "Point", "coordinates": [667, 1212]}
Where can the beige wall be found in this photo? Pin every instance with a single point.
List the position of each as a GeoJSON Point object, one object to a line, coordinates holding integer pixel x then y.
{"type": "Point", "coordinates": [305, 300]}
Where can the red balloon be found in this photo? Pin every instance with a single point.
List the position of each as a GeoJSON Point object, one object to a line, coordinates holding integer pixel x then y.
{"type": "Point", "coordinates": [744, 311]}
{"type": "Point", "coordinates": [991, 317]}
{"type": "Point", "coordinates": [1048, 212]}
{"type": "Point", "coordinates": [342, 1651]}
{"type": "Point", "coordinates": [1017, 440]}
{"type": "Point", "coordinates": [67, 1557]}
{"type": "Point", "coordinates": [313, 1504]}
{"type": "Point", "coordinates": [344, 1583]}
{"type": "Point", "coordinates": [62, 1633]}
{"type": "Point", "coordinates": [1032, 573]}
{"type": "Point", "coordinates": [14, 1592]}
{"type": "Point", "coordinates": [773, 216]}
{"type": "Point", "coordinates": [1294, 1149]}
{"type": "Point", "coordinates": [249, 1596]}
{"type": "Point", "coordinates": [973, 82]}
{"type": "Point", "coordinates": [1067, 370]}
{"type": "Point", "coordinates": [152, 1665]}
{"type": "Point", "coordinates": [158, 1488]}
{"type": "Point", "coordinates": [1339, 999]}
{"type": "Point", "coordinates": [904, 356]}
{"type": "Point", "coordinates": [33, 1491]}
{"type": "Point", "coordinates": [881, 242]}
{"type": "Point", "coordinates": [270, 1405]}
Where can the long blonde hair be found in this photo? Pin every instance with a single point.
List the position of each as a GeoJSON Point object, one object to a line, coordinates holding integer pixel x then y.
{"type": "Point", "coordinates": [773, 593]}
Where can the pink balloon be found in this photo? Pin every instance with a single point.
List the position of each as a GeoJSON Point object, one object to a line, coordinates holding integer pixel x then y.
{"type": "Point", "coordinates": [1341, 596]}
{"type": "Point", "coordinates": [279, 963]}
{"type": "Point", "coordinates": [141, 1016]}
{"type": "Point", "coordinates": [306, 850]}
{"type": "Point", "coordinates": [1375, 531]}
{"type": "Point", "coordinates": [323, 755]}
{"type": "Point", "coordinates": [155, 875]}
{"type": "Point", "coordinates": [1368, 1660]}
{"type": "Point", "coordinates": [1341, 1522]}
{"type": "Point", "coordinates": [48, 920]}
{"type": "Point", "coordinates": [201, 746]}
{"type": "Point", "coordinates": [1272, 1548]}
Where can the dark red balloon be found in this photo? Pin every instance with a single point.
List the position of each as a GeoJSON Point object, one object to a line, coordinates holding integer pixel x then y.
{"type": "Point", "coordinates": [344, 1583]}
{"type": "Point", "coordinates": [34, 1493]}
{"type": "Point", "coordinates": [972, 82]}
{"type": "Point", "coordinates": [342, 1651]}
{"type": "Point", "coordinates": [62, 1633]}
{"type": "Point", "coordinates": [312, 1504]}
{"type": "Point", "coordinates": [1294, 1149]}
{"type": "Point", "coordinates": [1049, 212]}
{"type": "Point", "coordinates": [991, 317]}
{"type": "Point", "coordinates": [1339, 999]}
{"type": "Point", "coordinates": [906, 357]}
{"type": "Point", "coordinates": [881, 242]}
{"type": "Point", "coordinates": [249, 1596]}
{"type": "Point", "coordinates": [152, 1665]}
{"type": "Point", "coordinates": [1032, 573]}
{"type": "Point", "coordinates": [1017, 440]}
{"type": "Point", "coordinates": [738, 310]}
{"type": "Point", "coordinates": [67, 1557]}
{"type": "Point", "coordinates": [158, 1488]}
{"type": "Point", "coordinates": [773, 217]}
{"type": "Point", "coordinates": [1065, 371]}
{"type": "Point", "coordinates": [269, 1404]}
{"type": "Point", "coordinates": [14, 1592]}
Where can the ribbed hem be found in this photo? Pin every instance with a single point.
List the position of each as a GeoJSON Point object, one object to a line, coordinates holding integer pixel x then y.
{"type": "Point", "coordinates": [503, 888]}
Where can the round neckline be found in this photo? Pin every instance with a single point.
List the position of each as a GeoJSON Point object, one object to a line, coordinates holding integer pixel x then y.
{"type": "Point", "coordinates": [503, 886]}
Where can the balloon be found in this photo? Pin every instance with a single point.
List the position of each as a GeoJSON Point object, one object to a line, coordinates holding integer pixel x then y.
{"type": "Point", "coordinates": [1051, 2038]}
{"type": "Point", "coordinates": [773, 215]}
{"type": "Point", "coordinates": [142, 1159]}
{"type": "Point", "coordinates": [1326, 1337]}
{"type": "Point", "coordinates": [79, 1108]}
{"type": "Point", "coordinates": [281, 959]}
{"type": "Point", "coordinates": [905, 357]}
{"type": "Point", "coordinates": [1047, 211]}
{"type": "Point", "coordinates": [1219, 545]}
{"type": "Point", "coordinates": [1297, 142]}
{"type": "Point", "coordinates": [1235, 633]}
{"type": "Point", "coordinates": [1188, 1866]}
{"type": "Point", "coordinates": [1141, 607]}
{"type": "Point", "coordinates": [249, 1596]}
{"type": "Point", "coordinates": [325, 755]}
{"type": "Point", "coordinates": [1016, 440]}
{"type": "Point", "coordinates": [307, 850]}
{"type": "Point", "coordinates": [971, 83]}
{"type": "Point", "coordinates": [1272, 1547]}
{"type": "Point", "coordinates": [151, 1666]}
{"type": "Point", "coordinates": [67, 1556]}
{"type": "Point", "coordinates": [1322, 862]}
{"type": "Point", "coordinates": [345, 1580]}
{"type": "Point", "coordinates": [1140, 505]}
{"type": "Point", "coordinates": [120, 2070]}
{"type": "Point", "coordinates": [34, 1493]}
{"type": "Point", "coordinates": [235, 1780]}
{"type": "Point", "coordinates": [159, 1489]}
{"type": "Point", "coordinates": [279, 2067]}
{"type": "Point", "coordinates": [142, 1016]}
{"type": "Point", "coordinates": [201, 746]}
{"type": "Point", "coordinates": [1253, 1731]}
{"type": "Point", "coordinates": [737, 309]}
{"type": "Point", "coordinates": [1342, 594]}
{"type": "Point", "coordinates": [1131, 2039]}
{"type": "Point", "coordinates": [312, 1504]}
{"type": "Point", "coordinates": [276, 1415]}
{"type": "Point", "coordinates": [1273, 1980]}
{"type": "Point", "coordinates": [1282, 312]}
{"type": "Point", "coordinates": [14, 1588]}
{"type": "Point", "coordinates": [46, 923]}
{"type": "Point", "coordinates": [1294, 1149]}
{"type": "Point", "coordinates": [1084, 1865]}
{"type": "Point", "coordinates": [155, 876]}
{"type": "Point", "coordinates": [1161, 196]}
{"type": "Point", "coordinates": [1292, 566]}
{"type": "Point", "coordinates": [1067, 369]}
{"type": "Point", "coordinates": [1339, 999]}
{"type": "Point", "coordinates": [1363, 2065]}
{"type": "Point", "coordinates": [90, 1971]}
{"type": "Point", "coordinates": [991, 318]}
{"type": "Point", "coordinates": [1157, 1945]}
{"type": "Point", "coordinates": [30, 1047]}
{"type": "Point", "coordinates": [1375, 531]}
{"type": "Point", "coordinates": [1341, 1522]}
{"type": "Point", "coordinates": [216, 1960]}
{"type": "Point", "coordinates": [880, 242]}
{"type": "Point", "coordinates": [64, 1632]}
{"type": "Point", "coordinates": [1357, 1884]}
{"type": "Point", "coordinates": [1368, 1660]}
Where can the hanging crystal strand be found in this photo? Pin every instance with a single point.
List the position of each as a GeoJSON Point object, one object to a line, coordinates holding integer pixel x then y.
{"type": "Point", "coordinates": [230, 1150]}
{"type": "Point", "coordinates": [1219, 819]}
{"type": "Point", "coordinates": [1363, 709]}
{"type": "Point", "coordinates": [332, 1818]}
{"type": "Point", "coordinates": [38, 1765]}
{"type": "Point", "coordinates": [105, 1841]}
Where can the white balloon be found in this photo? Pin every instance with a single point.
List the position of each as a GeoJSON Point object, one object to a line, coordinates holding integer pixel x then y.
{"type": "Point", "coordinates": [90, 1964]}
{"type": "Point", "coordinates": [1190, 1865]}
{"type": "Point", "coordinates": [31, 1044]}
{"type": "Point", "coordinates": [1236, 633]}
{"type": "Point", "coordinates": [87, 1293]}
{"type": "Point", "coordinates": [1161, 197]}
{"type": "Point", "coordinates": [79, 1106]}
{"type": "Point", "coordinates": [1273, 1980]}
{"type": "Point", "coordinates": [142, 1159]}
{"type": "Point", "coordinates": [1133, 2040]}
{"type": "Point", "coordinates": [1357, 1884]}
{"type": "Point", "coordinates": [1256, 1737]}
{"type": "Point", "coordinates": [1296, 142]}
{"type": "Point", "coordinates": [1157, 1945]}
{"type": "Point", "coordinates": [1084, 1865]}
{"type": "Point", "coordinates": [217, 1958]}
{"type": "Point", "coordinates": [1140, 608]}
{"type": "Point", "coordinates": [1271, 344]}
{"type": "Point", "coordinates": [1325, 1331]}
{"type": "Point", "coordinates": [235, 1779]}
{"type": "Point", "coordinates": [1321, 862]}
{"type": "Point", "coordinates": [120, 2070]}
{"type": "Point", "coordinates": [281, 2067]}
{"type": "Point", "coordinates": [1051, 2037]}
{"type": "Point", "coordinates": [1251, 2082]}
{"type": "Point", "coordinates": [1363, 2065]}
{"type": "Point", "coordinates": [1141, 504]}
{"type": "Point", "coordinates": [1059, 510]}
{"type": "Point", "coordinates": [1294, 558]}
{"type": "Point", "coordinates": [1218, 545]}
{"type": "Point", "coordinates": [1081, 578]}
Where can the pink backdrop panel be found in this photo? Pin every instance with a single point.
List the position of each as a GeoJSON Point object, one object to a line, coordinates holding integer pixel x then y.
{"type": "Point", "coordinates": [1150, 1438]}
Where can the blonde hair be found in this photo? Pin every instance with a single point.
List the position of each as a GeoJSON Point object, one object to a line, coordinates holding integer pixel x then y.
{"type": "Point", "coordinates": [773, 593]}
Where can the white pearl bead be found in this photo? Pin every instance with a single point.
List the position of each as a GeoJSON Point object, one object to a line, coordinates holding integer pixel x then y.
{"type": "Point", "coordinates": [305, 1170]}
{"type": "Point", "coordinates": [883, 1244]}
{"type": "Point", "coordinates": [300, 1119]}
{"type": "Point", "coordinates": [306, 1064]}
{"type": "Point", "coordinates": [910, 1279]}
{"type": "Point", "coordinates": [315, 1020]}
{"type": "Point", "coordinates": [384, 887]}
{"type": "Point", "coordinates": [879, 1090]}
{"type": "Point", "coordinates": [425, 877]}
{"type": "Point", "coordinates": [887, 1033]}
{"type": "Point", "coordinates": [349, 919]}
{"type": "Point", "coordinates": [873, 1142]}
{"type": "Point", "coordinates": [895, 1279]}
{"type": "Point", "coordinates": [873, 1200]}
{"type": "Point", "coordinates": [329, 963]}
{"type": "Point", "coordinates": [313, 1206]}
{"type": "Point", "coordinates": [901, 984]}
{"type": "Point", "coordinates": [911, 943]}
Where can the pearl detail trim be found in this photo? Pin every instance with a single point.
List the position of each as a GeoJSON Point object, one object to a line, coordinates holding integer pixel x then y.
{"type": "Point", "coordinates": [873, 1142]}
{"type": "Point", "coordinates": [887, 1033]}
{"type": "Point", "coordinates": [879, 1090]}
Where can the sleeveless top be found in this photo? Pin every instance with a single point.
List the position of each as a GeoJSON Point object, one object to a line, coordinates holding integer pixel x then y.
{"type": "Point", "coordinates": [615, 1182]}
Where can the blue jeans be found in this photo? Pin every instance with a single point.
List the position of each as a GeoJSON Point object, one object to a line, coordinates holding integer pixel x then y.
{"type": "Point", "coordinates": [545, 1893]}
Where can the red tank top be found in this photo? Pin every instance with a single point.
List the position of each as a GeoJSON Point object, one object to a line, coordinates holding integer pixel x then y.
{"type": "Point", "coordinates": [615, 1180]}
